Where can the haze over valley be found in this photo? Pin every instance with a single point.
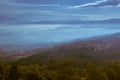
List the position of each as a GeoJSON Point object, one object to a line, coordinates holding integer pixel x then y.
{"type": "Point", "coordinates": [34, 36]}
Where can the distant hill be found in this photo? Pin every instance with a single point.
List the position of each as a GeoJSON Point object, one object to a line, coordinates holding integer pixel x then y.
{"type": "Point", "coordinates": [97, 49]}
{"type": "Point", "coordinates": [106, 21]}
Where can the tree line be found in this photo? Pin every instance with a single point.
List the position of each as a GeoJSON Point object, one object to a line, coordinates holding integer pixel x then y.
{"type": "Point", "coordinates": [60, 69]}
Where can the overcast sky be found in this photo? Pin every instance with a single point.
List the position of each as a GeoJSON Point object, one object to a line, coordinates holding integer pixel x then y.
{"type": "Point", "coordinates": [44, 11]}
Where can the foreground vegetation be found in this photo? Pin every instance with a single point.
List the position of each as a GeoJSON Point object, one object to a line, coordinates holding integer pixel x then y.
{"type": "Point", "coordinates": [88, 60]}
{"type": "Point", "coordinates": [60, 69]}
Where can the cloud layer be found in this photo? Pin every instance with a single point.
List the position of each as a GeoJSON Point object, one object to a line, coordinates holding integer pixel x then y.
{"type": "Point", "coordinates": [53, 11]}
{"type": "Point", "coordinates": [100, 3]}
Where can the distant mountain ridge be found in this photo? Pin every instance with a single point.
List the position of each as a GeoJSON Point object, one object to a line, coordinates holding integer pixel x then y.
{"type": "Point", "coordinates": [110, 21]}
{"type": "Point", "coordinates": [8, 20]}
{"type": "Point", "coordinates": [97, 49]}
{"type": "Point", "coordinates": [100, 48]}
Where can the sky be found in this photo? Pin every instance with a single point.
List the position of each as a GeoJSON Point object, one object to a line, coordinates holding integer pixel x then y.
{"type": "Point", "coordinates": [26, 22]}
{"type": "Point", "coordinates": [57, 11]}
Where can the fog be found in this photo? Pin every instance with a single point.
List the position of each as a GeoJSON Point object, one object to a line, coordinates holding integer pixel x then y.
{"type": "Point", "coordinates": [23, 35]}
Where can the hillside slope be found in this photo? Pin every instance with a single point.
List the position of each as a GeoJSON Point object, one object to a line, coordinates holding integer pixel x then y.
{"type": "Point", "coordinates": [96, 49]}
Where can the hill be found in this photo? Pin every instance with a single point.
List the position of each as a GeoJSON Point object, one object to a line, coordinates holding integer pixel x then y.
{"type": "Point", "coordinates": [104, 48]}
{"type": "Point", "coordinates": [93, 59]}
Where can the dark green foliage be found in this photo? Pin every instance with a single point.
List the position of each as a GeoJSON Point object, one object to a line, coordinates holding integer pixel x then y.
{"type": "Point", "coordinates": [61, 69]}
{"type": "Point", "coordinates": [4, 70]}
{"type": "Point", "coordinates": [13, 73]}
{"type": "Point", "coordinates": [113, 71]}
{"type": "Point", "coordinates": [32, 76]}
{"type": "Point", "coordinates": [95, 73]}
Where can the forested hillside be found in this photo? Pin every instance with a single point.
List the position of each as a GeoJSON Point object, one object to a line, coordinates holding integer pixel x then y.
{"type": "Point", "coordinates": [93, 59]}
{"type": "Point", "coordinates": [65, 69]}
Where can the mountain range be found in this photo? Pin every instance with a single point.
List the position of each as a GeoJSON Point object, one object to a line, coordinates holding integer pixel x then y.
{"type": "Point", "coordinates": [105, 48]}
{"type": "Point", "coordinates": [97, 48]}
{"type": "Point", "coordinates": [106, 21]}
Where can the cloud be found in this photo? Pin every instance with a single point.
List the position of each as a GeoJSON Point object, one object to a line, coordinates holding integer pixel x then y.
{"type": "Point", "coordinates": [27, 13]}
{"type": "Point", "coordinates": [77, 22]}
{"type": "Point", "coordinates": [12, 12]}
{"type": "Point", "coordinates": [26, 3]}
{"type": "Point", "coordinates": [100, 3]}
{"type": "Point", "coordinates": [35, 1]}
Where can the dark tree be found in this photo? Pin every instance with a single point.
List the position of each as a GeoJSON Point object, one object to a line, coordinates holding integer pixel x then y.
{"type": "Point", "coordinates": [13, 73]}
{"type": "Point", "coordinates": [32, 76]}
